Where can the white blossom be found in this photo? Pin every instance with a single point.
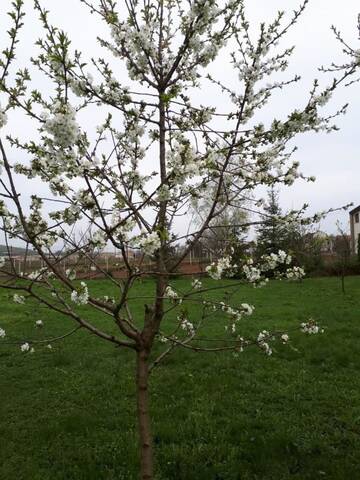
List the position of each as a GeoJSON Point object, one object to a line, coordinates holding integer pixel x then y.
{"type": "Point", "coordinates": [109, 299]}
{"type": "Point", "coordinates": [98, 239]}
{"type": "Point", "coordinates": [247, 309]}
{"type": "Point", "coordinates": [3, 118]}
{"type": "Point", "coordinates": [295, 273]}
{"type": "Point", "coordinates": [262, 335]}
{"type": "Point", "coordinates": [172, 294]}
{"type": "Point", "coordinates": [322, 99]}
{"type": "Point", "coordinates": [196, 284]}
{"type": "Point", "coordinates": [219, 269]}
{"type": "Point", "coordinates": [310, 327]}
{"type": "Point", "coordinates": [19, 299]}
{"type": "Point", "coordinates": [78, 87]}
{"type": "Point", "coordinates": [39, 323]}
{"type": "Point", "coordinates": [35, 275]}
{"type": "Point", "coordinates": [164, 193]}
{"type": "Point", "coordinates": [122, 228]}
{"type": "Point", "coordinates": [264, 345]}
{"type": "Point", "coordinates": [70, 273]}
{"type": "Point", "coordinates": [81, 295]}
{"type": "Point", "coordinates": [252, 274]}
{"type": "Point", "coordinates": [2, 333]}
{"type": "Point", "coordinates": [150, 243]}
{"type": "Point", "coordinates": [62, 126]}
{"type": "Point", "coordinates": [273, 260]}
{"type": "Point", "coordinates": [187, 325]}
{"type": "Point", "coordinates": [25, 347]}
{"type": "Point", "coordinates": [285, 337]}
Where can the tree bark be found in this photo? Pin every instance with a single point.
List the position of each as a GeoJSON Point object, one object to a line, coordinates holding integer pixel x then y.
{"type": "Point", "coordinates": [143, 414]}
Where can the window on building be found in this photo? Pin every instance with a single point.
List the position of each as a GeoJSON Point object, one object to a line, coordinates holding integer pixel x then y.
{"type": "Point", "coordinates": [356, 218]}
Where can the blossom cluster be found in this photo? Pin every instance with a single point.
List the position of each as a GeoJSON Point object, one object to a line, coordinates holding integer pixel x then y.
{"type": "Point", "coordinates": [70, 273]}
{"type": "Point", "coordinates": [20, 299]}
{"type": "Point", "coordinates": [272, 261]}
{"type": "Point", "coordinates": [186, 325]}
{"type": "Point", "coordinates": [37, 227]}
{"type": "Point", "coordinates": [223, 267]}
{"type": "Point", "coordinates": [235, 314]}
{"type": "Point", "coordinates": [25, 347]}
{"type": "Point", "coordinates": [275, 260]}
{"type": "Point", "coordinates": [295, 273]}
{"type": "Point", "coordinates": [172, 294]}
{"type": "Point", "coordinates": [139, 46]}
{"type": "Point", "coordinates": [121, 228]}
{"type": "Point", "coordinates": [81, 295]}
{"type": "Point", "coordinates": [150, 243]}
{"type": "Point", "coordinates": [277, 263]}
{"type": "Point", "coordinates": [311, 327]}
{"type": "Point", "coordinates": [196, 284]}
{"type": "Point", "coordinates": [98, 240]}
{"type": "Point", "coordinates": [262, 341]}
{"type": "Point", "coordinates": [62, 126]}
{"type": "Point", "coordinates": [253, 274]}
{"type": "Point", "coordinates": [3, 118]}
{"type": "Point", "coordinates": [184, 162]}
{"type": "Point", "coordinates": [38, 274]}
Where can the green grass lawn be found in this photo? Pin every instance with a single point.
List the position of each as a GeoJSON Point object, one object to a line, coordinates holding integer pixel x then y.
{"type": "Point", "coordinates": [69, 413]}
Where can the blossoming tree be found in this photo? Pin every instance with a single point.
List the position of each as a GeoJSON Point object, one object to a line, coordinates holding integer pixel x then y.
{"type": "Point", "coordinates": [152, 150]}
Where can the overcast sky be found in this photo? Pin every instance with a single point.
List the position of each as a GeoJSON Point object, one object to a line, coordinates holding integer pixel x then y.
{"type": "Point", "coordinates": [334, 159]}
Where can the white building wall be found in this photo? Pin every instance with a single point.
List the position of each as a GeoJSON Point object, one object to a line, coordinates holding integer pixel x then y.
{"type": "Point", "coordinates": [356, 232]}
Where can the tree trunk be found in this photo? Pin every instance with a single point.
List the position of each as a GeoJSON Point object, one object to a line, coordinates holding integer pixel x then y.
{"type": "Point", "coordinates": [143, 414]}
